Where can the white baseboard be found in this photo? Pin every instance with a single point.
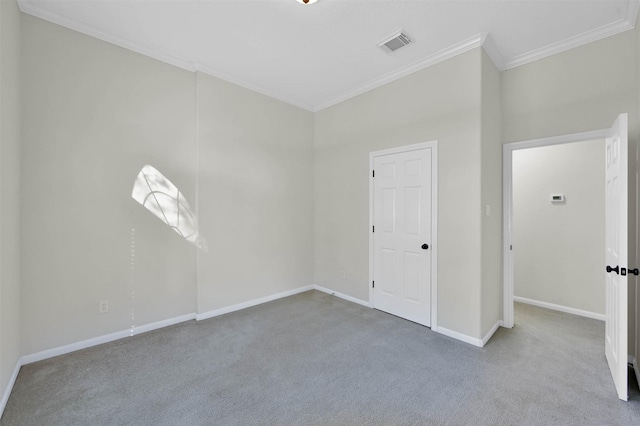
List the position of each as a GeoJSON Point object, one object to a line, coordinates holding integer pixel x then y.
{"type": "Point", "coordinates": [560, 308]}
{"type": "Point", "coordinates": [459, 336]}
{"type": "Point", "coordinates": [341, 295]}
{"type": "Point", "coordinates": [468, 339]}
{"type": "Point", "coordinates": [490, 333]}
{"type": "Point", "coordinates": [161, 324]}
{"type": "Point", "coordinates": [94, 341]}
{"type": "Point", "coordinates": [450, 333]}
{"type": "Point", "coordinates": [250, 303]}
{"type": "Point", "coordinates": [9, 388]}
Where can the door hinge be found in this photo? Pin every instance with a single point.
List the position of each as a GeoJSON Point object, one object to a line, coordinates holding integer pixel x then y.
{"type": "Point", "coordinates": [373, 229]}
{"type": "Point", "coordinates": [373, 284]}
{"type": "Point", "coordinates": [373, 173]}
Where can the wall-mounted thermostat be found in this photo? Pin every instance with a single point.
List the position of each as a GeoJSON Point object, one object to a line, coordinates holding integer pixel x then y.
{"type": "Point", "coordinates": [557, 198]}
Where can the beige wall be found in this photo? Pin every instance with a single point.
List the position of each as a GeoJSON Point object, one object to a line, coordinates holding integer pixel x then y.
{"type": "Point", "coordinates": [441, 102]}
{"type": "Point", "coordinates": [578, 90]}
{"type": "Point", "coordinates": [255, 195]}
{"type": "Point", "coordinates": [94, 118]}
{"type": "Point", "coordinates": [9, 192]}
{"type": "Point", "coordinates": [575, 91]}
{"type": "Point", "coordinates": [558, 248]}
{"type": "Point", "coordinates": [491, 158]}
{"type": "Point", "coordinates": [94, 114]}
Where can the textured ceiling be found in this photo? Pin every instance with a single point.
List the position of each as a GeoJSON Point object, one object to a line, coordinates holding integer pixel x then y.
{"type": "Point", "coordinates": [317, 55]}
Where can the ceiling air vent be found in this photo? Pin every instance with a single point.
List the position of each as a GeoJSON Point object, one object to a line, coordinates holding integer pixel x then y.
{"type": "Point", "coordinates": [395, 42]}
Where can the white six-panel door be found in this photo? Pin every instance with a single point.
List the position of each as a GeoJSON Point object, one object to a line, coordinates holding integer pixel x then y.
{"type": "Point", "coordinates": [402, 233]}
{"type": "Point", "coordinates": [616, 254]}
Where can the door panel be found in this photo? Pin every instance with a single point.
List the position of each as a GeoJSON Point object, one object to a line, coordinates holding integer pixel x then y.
{"type": "Point", "coordinates": [388, 271]}
{"type": "Point", "coordinates": [412, 277]}
{"type": "Point", "coordinates": [388, 210]}
{"type": "Point", "coordinates": [402, 220]}
{"type": "Point", "coordinates": [616, 221]}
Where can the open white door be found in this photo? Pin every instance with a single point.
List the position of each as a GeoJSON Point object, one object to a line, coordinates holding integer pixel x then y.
{"type": "Point", "coordinates": [616, 254]}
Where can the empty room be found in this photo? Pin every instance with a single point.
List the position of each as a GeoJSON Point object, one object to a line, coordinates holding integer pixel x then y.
{"type": "Point", "coordinates": [291, 212]}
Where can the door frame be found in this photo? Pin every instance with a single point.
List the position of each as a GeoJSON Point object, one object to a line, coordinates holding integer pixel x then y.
{"type": "Point", "coordinates": [507, 206]}
{"type": "Point", "coordinates": [433, 245]}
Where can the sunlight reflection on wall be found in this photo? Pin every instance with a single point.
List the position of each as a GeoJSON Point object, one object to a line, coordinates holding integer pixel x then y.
{"type": "Point", "coordinates": [165, 201]}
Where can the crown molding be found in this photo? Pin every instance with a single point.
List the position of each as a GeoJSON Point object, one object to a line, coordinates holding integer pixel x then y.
{"type": "Point", "coordinates": [212, 71]}
{"type": "Point", "coordinates": [483, 39]}
{"type": "Point", "coordinates": [39, 12]}
{"type": "Point", "coordinates": [587, 37]}
{"type": "Point", "coordinates": [442, 55]}
{"type": "Point", "coordinates": [493, 52]}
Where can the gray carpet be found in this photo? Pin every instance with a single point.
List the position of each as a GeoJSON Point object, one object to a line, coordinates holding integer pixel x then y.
{"type": "Point", "coordinates": [313, 359]}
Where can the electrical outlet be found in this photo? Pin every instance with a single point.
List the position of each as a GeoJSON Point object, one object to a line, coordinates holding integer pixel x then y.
{"type": "Point", "coordinates": [103, 306]}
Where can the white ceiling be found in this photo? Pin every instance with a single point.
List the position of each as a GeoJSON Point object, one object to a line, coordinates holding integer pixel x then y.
{"type": "Point", "coordinates": [314, 56]}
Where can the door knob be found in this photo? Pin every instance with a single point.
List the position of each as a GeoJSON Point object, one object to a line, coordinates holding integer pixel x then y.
{"type": "Point", "coordinates": [610, 269]}
{"type": "Point", "coordinates": [425, 246]}
{"type": "Point", "coordinates": [634, 271]}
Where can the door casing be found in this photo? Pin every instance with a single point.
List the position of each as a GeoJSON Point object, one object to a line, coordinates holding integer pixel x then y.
{"type": "Point", "coordinates": [433, 246]}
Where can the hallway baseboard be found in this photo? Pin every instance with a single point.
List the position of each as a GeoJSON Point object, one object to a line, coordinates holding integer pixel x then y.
{"type": "Point", "coordinates": [561, 308]}
{"type": "Point", "coordinates": [9, 388]}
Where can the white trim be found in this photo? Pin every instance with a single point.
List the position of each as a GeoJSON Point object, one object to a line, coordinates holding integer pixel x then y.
{"type": "Point", "coordinates": [481, 39]}
{"type": "Point", "coordinates": [370, 282]}
{"type": "Point", "coordinates": [561, 308]}
{"type": "Point", "coordinates": [444, 54]}
{"type": "Point", "coordinates": [493, 52]}
{"type": "Point", "coordinates": [441, 330]}
{"type": "Point", "coordinates": [211, 71]}
{"type": "Point", "coordinates": [250, 303]}
{"type": "Point", "coordinates": [468, 339]}
{"type": "Point", "coordinates": [342, 296]}
{"type": "Point", "coordinates": [106, 338]}
{"type": "Point", "coordinates": [507, 221]}
{"type": "Point", "coordinates": [94, 341]}
{"type": "Point", "coordinates": [490, 333]}
{"type": "Point", "coordinates": [559, 140]}
{"type": "Point", "coordinates": [72, 347]}
{"type": "Point", "coordinates": [36, 9]}
{"type": "Point", "coordinates": [576, 41]}
{"type": "Point", "coordinates": [9, 388]}
{"type": "Point", "coordinates": [161, 324]}
{"type": "Point", "coordinates": [433, 145]}
{"type": "Point", "coordinates": [458, 336]}
{"type": "Point", "coordinates": [434, 235]}
{"type": "Point", "coordinates": [507, 206]}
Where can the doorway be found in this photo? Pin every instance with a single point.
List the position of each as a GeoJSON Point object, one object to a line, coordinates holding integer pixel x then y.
{"type": "Point", "coordinates": [559, 227]}
{"type": "Point", "coordinates": [616, 239]}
